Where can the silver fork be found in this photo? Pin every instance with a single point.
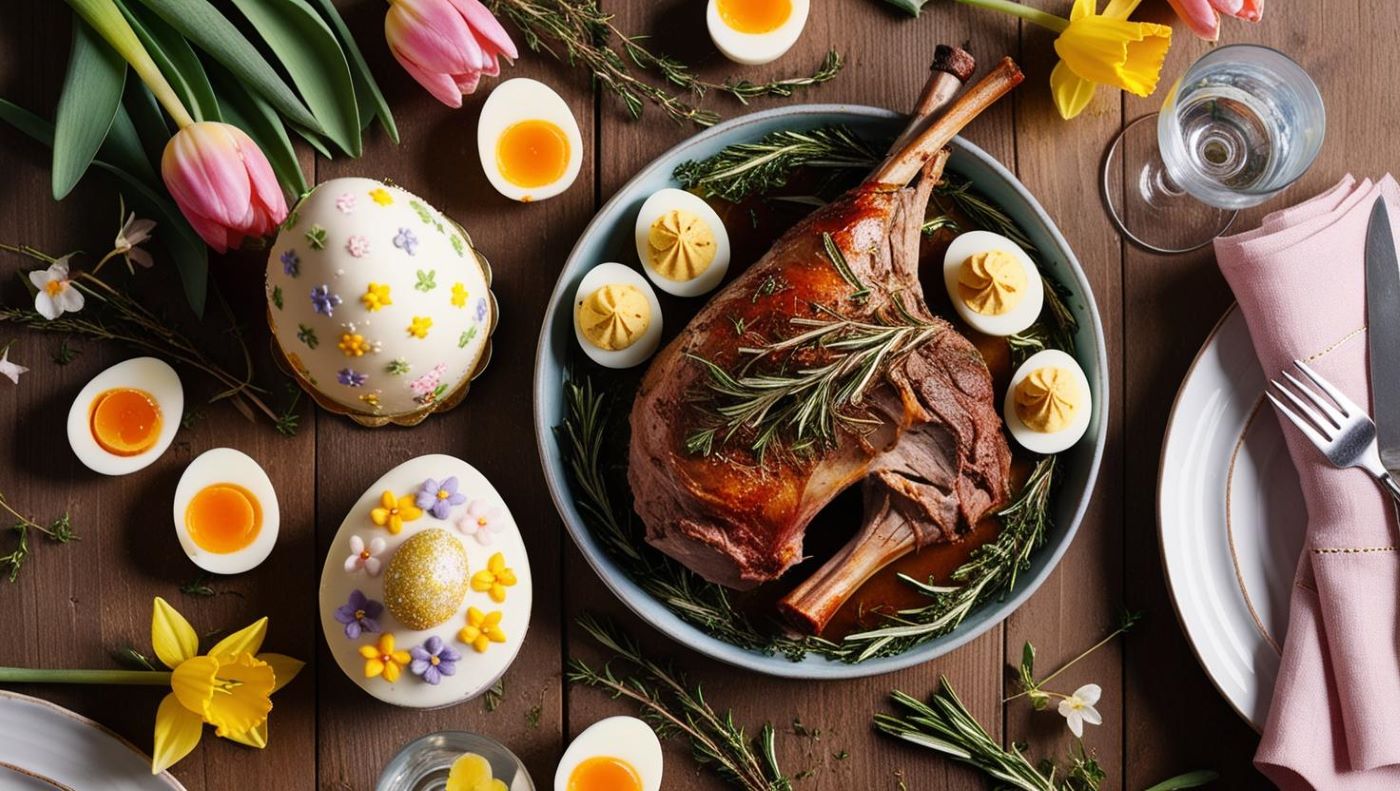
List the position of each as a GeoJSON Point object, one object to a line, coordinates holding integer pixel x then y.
{"type": "Point", "coordinates": [1339, 428]}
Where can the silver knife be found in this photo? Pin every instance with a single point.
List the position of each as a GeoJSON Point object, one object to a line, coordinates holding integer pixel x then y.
{"type": "Point", "coordinates": [1383, 333]}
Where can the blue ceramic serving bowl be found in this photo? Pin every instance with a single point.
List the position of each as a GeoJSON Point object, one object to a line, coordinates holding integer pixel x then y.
{"type": "Point", "coordinates": [609, 237]}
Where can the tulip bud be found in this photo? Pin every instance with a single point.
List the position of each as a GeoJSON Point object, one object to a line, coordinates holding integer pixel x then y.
{"type": "Point", "coordinates": [223, 184]}
{"type": "Point", "coordinates": [447, 45]}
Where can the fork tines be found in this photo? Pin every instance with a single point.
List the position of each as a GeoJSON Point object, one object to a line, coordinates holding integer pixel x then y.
{"type": "Point", "coordinates": [1328, 417]}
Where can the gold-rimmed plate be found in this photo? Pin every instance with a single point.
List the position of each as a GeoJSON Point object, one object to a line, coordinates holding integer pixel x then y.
{"type": "Point", "coordinates": [1231, 519]}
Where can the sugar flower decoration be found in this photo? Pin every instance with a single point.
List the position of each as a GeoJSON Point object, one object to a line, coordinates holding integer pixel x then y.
{"type": "Point", "coordinates": [345, 202]}
{"type": "Point", "coordinates": [357, 246]}
{"type": "Point", "coordinates": [394, 511]}
{"type": "Point", "coordinates": [381, 196]}
{"type": "Point", "coordinates": [494, 579]}
{"type": "Point", "coordinates": [365, 556]}
{"type": "Point", "coordinates": [481, 521]}
{"type": "Point", "coordinates": [382, 660]}
{"type": "Point", "coordinates": [482, 629]}
{"type": "Point", "coordinates": [376, 296]}
{"type": "Point", "coordinates": [359, 614]}
{"type": "Point", "coordinates": [1078, 708]}
{"type": "Point", "coordinates": [10, 370]}
{"type": "Point", "coordinates": [428, 382]}
{"type": "Point", "coordinates": [56, 293]}
{"type": "Point", "coordinates": [439, 497]}
{"type": "Point", "coordinates": [323, 300]}
{"type": "Point", "coordinates": [481, 308]}
{"type": "Point", "coordinates": [353, 344]}
{"type": "Point", "coordinates": [351, 378]}
{"type": "Point", "coordinates": [406, 241]}
{"type": "Point", "coordinates": [419, 327]}
{"type": "Point", "coordinates": [291, 263]}
{"type": "Point", "coordinates": [459, 295]}
{"type": "Point", "coordinates": [433, 659]}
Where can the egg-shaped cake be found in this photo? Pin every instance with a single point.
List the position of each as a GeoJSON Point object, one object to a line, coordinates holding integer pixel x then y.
{"type": "Point", "coordinates": [379, 304]}
{"type": "Point", "coordinates": [425, 595]}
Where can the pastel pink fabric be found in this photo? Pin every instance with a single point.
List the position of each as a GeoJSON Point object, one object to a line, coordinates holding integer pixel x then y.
{"type": "Point", "coordinates": [1335, 719]}
{"type": "Point", "coordinates": [447, 45]}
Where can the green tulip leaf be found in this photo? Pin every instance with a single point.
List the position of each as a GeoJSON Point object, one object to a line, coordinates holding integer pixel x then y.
{"type": "Point", "coordinates": [251, 113]}
{"type": "Point", "coordinates": [177, 61]}
{"type": "Point", "coordinates": [367, 93]}
{"type": "Point", "coordinates": [92, 92]}
{"type": "Point", "coordinates": [314, 140]}
{"type": "Point", "coordinates": [207, 28]}
{"type": "Point", "coordinates": [146, 116]}
{"type": "Point", "coordinates": [123, 149]}
{"type": "Point", "coordinates": [187, 250]}
{"type": "Point", "coordinates": [309, 52]}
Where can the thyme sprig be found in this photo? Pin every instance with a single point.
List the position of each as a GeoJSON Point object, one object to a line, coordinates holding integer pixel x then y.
{"type": "Point", "coordinates": [743, 169]}
{"type": "Point", "coordinates": [59, 531]}
{"type": "Point", "coordinates": [581, 33]}
{"type": "Point", "coordinates": [675, 707]}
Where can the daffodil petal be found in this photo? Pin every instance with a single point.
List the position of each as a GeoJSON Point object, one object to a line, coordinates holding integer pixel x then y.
{"type": "Point", "coordinates": [1072, 93]}
{"type": "Point", "coordinates": [244, 641]}
{"type": "Point", "coordinates": [1126, 55]}
{"type": "Point", "coordinates": [172, 637]}
{"type": "Point", "coordinates": [193, 682]}
{"type": "Point", "coordinates": [253, 737]}
{"type": "Point", "coordinates": [1082, 8]}
{"type": "Point", "coordinates": [177, 733]}
{"type": "Point", "coordinates": [1120, 9]}
{"type": "Point", "coordinates": [284, 667]}
{"type": "Point", "coordinates": [243, 701]}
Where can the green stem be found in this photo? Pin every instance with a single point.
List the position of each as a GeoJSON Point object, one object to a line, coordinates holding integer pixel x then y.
{"type": "Point", "coordinates": [25, 675]}
{"type": "Point", "coordinates": [1033, 15]}
{"type": "Point", "coordinates": [107, 20]}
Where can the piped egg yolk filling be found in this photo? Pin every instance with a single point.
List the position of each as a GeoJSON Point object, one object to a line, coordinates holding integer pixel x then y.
{"type": "Point", "coordinates": [1047, 399]}
{"type": "Point", "coordinates": [992, 282]}
{"type": "Point", "coordinates": [755, 16]}
{"type": "Point", "coordinates": [614, 316]}
{"type": "Point", "coordinates": [682, 246]}
{"type": "Point", "coordinates": [532, 153]}
{"type": "Point", "coordinates": [604, 773]}
{"type": "Point", "coordinates": [125, 421]}
{"type": "Point", "coordinates": [223, 518]}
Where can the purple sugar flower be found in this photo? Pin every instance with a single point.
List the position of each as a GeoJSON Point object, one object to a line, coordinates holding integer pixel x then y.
{"type": "Point", "coordinates": [323, 300]}
{"type": "Point", "coordinates": [359, 614]}
{"type": "Point", "coordinates": [481, 308]}
{"type": "Point", "coordinates": [406, 241]}
{"type": "Point", "coordinates": [351, 378]}
{"type": "Point", "coordinates": [291, 264]}
{"type": "Point", "coordinates": [438, 498]}
{"type": "Point", "coordinates": [433, 660]}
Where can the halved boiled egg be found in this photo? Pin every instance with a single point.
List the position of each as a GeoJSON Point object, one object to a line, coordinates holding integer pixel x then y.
{"type": "Point", "coordinates": [995, 287]}
{"type": "Point", "coordinates": [226, 512]}
{"type": "Point", "coordinates": [126, 417]}
{"type": "Point", "coordinates": [617, 319]}
{"type": "Point", "coordinates": [755, 31]}
{"type": "Point", "coordinates": [682, 243]}
{"type": "Point", "coordinates": [528, 140]}
{"type": "Point", "coordinates": [1048, 405]}
{"type": "Point", "coordinates": [615, 754]}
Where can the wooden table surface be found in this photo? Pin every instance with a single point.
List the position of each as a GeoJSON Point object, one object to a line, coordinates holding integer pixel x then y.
{"type": "Point", "coordinates": [1161, 714]}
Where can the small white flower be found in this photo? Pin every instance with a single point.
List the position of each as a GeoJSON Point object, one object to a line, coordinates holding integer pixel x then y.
{"type": "Point", "coordinates": [364, 556]}
{"type": "Point", "coordinates": [56, 294]}
{"type": "Point", "coordinates": [8, 369]}
{"type": "Point", "coordinates": [1078, 708]}
{"type": "Point", "coordinates": [134, 231]}
{"type": "Point", "coordinates": [480, 521]}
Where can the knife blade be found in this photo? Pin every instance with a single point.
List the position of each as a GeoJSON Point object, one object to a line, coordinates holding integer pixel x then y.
{"type": "Point", "coordinates": [1383, 333]}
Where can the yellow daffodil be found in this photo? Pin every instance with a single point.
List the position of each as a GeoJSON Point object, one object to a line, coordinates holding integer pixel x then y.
{"type": "Point", "coordinates": [394, 511]}
{"type": "Point", "coordinates": [1097, 49]}
{"type": "Point", "coordinates": [230, 687]}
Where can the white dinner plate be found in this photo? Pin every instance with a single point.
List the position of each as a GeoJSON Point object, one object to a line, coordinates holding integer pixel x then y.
{"type": "Point", "coordinates": [49, 747]}
{"type": "Point", "coordinates": [1231, 519]}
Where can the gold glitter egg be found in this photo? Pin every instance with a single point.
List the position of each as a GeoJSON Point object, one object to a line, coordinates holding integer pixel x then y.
{"type": "Point", "coordinates": [426, 579]}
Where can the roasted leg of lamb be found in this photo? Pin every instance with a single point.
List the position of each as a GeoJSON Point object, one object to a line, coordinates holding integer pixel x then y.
{"type": "Point", "coordinates": [922, 435]}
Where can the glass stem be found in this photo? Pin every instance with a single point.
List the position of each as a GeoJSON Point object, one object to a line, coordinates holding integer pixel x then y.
{"type": "Point", "coordinates": [25, 675]}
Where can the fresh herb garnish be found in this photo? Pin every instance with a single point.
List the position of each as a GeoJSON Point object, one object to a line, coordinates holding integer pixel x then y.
{"type": "Point", "coordinates": [492, 700]}
{"type": "Point", "coordinates": [743, 169]}
{"type": "Point", "coordinates": [65, 353]}
{"type": "Point", "coordinates": [838, 260]}
{"type": "Point", "coordinates": [59, 531]}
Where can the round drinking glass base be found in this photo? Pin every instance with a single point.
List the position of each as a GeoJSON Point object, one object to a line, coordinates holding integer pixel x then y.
{"type": "Point", "coordinates": [1150, 209]}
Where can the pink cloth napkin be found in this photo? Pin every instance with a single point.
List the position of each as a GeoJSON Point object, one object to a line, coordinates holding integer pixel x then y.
{"type": "Point", "coordinates": [1335, 720]}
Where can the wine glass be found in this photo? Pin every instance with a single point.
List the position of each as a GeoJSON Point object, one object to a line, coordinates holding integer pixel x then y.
{"type": "Point", "coordinates": [423, 764]}
{"type": "Point", "coordinates": [1241, 124]}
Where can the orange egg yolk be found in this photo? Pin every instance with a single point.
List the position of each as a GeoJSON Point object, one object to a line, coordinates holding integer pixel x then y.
{"type": "Point", "coordinates": [125, 421]}
{"type": "Point", "coordinates": [755, 16]}
{"type": "Point", "coordinates": [532, 153]}
{"type": "Point", "coordinates": [223, 518]}
{"type": "Point", "coordinates": [604, 773]}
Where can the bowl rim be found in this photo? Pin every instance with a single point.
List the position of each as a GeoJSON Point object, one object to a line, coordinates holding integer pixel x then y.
{"type": "Point", "coordinates": [809, 668]}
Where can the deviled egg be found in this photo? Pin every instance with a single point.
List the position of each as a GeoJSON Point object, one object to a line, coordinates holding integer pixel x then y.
{"type": "Point", "coordinates": [682, 243]}
{"type": "Point", "coordinates": [995, 287]}
{"type": "Point", "coordinates": [755, 31]}
{"type": "Point", "coordinates": [617, 319]}
{"type": "Point", "coordinates": [1048, 403]}
{"type": "Point", "coordinates": [226, 512]}
{"type": "Point", "coordinates": [126, 417]}
{"type": "Point", "coordinates": [528, 140]}
{"type": "Point", "coordinates": [615, 754]}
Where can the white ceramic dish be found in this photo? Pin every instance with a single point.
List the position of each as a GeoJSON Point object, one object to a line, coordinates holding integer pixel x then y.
{"type": "Point", "coordinates": [1231, 519]}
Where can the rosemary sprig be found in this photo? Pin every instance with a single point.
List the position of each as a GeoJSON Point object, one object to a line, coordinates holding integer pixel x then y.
{"type": "Point", "coordinates": [673, 706]}
{"type": "Point", "coordinates": [581, 33]}
{"type": "Point", "coordinates": [838, 260]}
{"type": "Point", "coordinates": [744, 169]}
{"type": "Point", "coordinates": [59, 531]}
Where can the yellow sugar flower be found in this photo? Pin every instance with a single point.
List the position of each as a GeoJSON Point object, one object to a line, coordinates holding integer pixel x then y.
{"type": "Point", "coordinates": [381, 660]}
{"type": "Point", "coordinates": [381, 196]}
{"type": "Point", "coordinates": [482, 629]}
{"type": "Point", "coordinates": [459, 295]}
{"type": "Point", "coordinates": [394, 511]}
{"type": "Point", "coordinates": [494, 579]}
{"type": "Point", "coordinates": [376, 296]}
{"type": "Point", "coordinates": [353, 344]}
{"type": "Point", "coordinates": [230, 687]}
{"type": "Point", "coordinates": [418, 328]}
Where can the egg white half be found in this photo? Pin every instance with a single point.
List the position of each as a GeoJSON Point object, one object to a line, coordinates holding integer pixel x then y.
{"type": "Point", "coordinates": [627, 738]}
{"type": "Point", "coordinates": [226, 465]}
{"type": "Point", "coordinates": [524, 99]}
{"type": "Point", "coordinates": [139, 373]}
{"type": "Point", "coordinates": [671, 199]}
{"type": "Point", "coordinates": [1019, 317]}
{"type": "Point", "coordinates": [617, 274]}
{"type": "Point", "coordinates": [1055, 441]}
{"type": "Point", "coordinates": [751, 49]}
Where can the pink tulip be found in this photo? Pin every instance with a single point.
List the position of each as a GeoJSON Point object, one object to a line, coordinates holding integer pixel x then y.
{"type": "Point", "coordinates": [1203, 16]}
{"type": "Point", "coordinates": [447, 45]}
{"type": "Point", "coordinates": [223, 184]}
